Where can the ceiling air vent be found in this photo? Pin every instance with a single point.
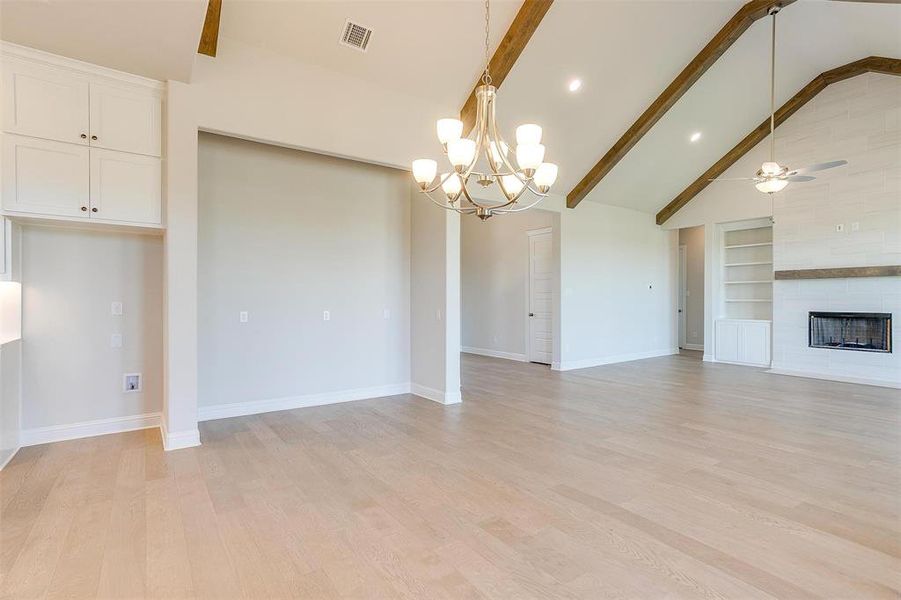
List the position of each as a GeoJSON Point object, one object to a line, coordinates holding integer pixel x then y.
{"type": "Point", "coordinates": [355, 36]}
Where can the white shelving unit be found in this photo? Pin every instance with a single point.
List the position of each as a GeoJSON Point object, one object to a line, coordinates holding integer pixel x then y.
{"type": "Point", "coordinates": [744, 323]}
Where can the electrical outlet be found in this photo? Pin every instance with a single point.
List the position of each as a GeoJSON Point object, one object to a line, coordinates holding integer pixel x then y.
{"type": "Point", "coordinates": [387, 314]}
{"type": "Point", "coordinates": [326, 315]}
{"type": "Point", "coordinates": [855, 226]}
{"type": "Point", "coordinates": [116, 309]}
{"type": "Point", "coordinates": [243, 316]}
{"type": "Point", "coordinates": [115, 340]}
{"type": "Point", "coordinates": [438, 314]}
{"type": "Point", "coordinates": [132, 382]}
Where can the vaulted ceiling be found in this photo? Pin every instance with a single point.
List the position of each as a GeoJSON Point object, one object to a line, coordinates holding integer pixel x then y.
{"type": "Point", "coordinates": [625, 52]}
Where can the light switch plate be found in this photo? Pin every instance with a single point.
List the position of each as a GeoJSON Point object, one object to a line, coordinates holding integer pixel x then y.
{"type": "Point", "coordinates": [115, 340]}
{"type": "Point", "coordinates": [387, 314]}
{"type": "Point", "coordinates": [326, 315]}
{"type": "Point", "coordinates": [242, 316]}
{"type": "Point", "coordinates": [116, 309]}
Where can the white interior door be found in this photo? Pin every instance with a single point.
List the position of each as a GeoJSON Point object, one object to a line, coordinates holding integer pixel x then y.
{"type": "Point", "coordinates": [541, 276]}
{"type": "Point", "coordinates": [683, 291]}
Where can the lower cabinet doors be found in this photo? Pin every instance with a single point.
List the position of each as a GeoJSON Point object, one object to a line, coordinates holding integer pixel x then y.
{"type": "Point", "coordinates": [743, 341]}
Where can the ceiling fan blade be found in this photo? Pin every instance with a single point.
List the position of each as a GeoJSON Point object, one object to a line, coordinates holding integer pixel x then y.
{"type": "Point", "coordinates": [799, 178]}
{"type": "Point", "coordinates": [820, 166]}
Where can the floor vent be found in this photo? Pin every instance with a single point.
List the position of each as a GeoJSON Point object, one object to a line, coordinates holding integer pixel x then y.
{"type": "Point", "coordinates": [355, 36]}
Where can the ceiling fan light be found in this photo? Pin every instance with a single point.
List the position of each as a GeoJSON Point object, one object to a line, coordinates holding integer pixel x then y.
{"type": "Point", "coordinates": [771, 186]}
{"type": "Point", "coordinates": [528, 134]}
{"type": "Point", "coordinates": [529, 156]}
{"type": "Point", "coordinates": [460, 152]}
{"type": "Point", "coordinates": [449, 130]}
{"type": "Point", "coordinates": [770, 168]}
{"type": "Point", "coordinates": [424, 170]}
{"type": "Point", "coordinates": [546, 175]}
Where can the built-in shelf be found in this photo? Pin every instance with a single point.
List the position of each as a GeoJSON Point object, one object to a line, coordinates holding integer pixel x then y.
{"type": "Point", "coordinates": [841, 272]}
{"type": "Point", "coordinates": [748, 300]}
{"type": "Point", "coordinates": [748, 264]}
{"type": "Point", "coordinates": [747, 282]}
{"type": "Point", "coordinates": [757, 245]}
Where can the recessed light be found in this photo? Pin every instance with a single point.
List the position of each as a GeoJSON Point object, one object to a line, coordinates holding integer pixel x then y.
{"type": "Point", "coordinates": [695, 136]}
{"type": "Point", "coordinates": [575, 85]}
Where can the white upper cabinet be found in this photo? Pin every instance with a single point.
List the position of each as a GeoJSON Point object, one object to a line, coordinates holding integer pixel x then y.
{"type": "Point", "coordinates": [125, 187]}
{"type": "Point", "coordinates": [125, 119]}
{"type": "Point", "coordinates": [45, 102]}
{"type": "Point", "coordinates": [45, 177]}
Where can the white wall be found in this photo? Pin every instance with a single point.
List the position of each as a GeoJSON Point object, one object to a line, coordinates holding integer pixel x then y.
{"type": "Point", "coordinates": [857, 120]}
{"type": "Point", "coordinates": [693, 240]}
{"type": "Point", "coordinates": [618, 284]}
{"type": "Point", "coordinates": [286, 235]}
{"type": "Point", "coordinates": [495, 279]}
{"type": "Point", "coordinates": [70, 372]}
{"type": "Point", "coordinates": [435, 301]}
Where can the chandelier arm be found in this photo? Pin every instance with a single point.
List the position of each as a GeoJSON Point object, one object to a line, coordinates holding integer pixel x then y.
{"type": "Point", "coordinates": [471, 201]}
{"type": "Point", "coordinates": [439, 184]}
{"type": "Point", "coordinates": [504, 211]}
{"type": "Point", "coordinates": [447, 206]}
{"type": "Point", "coordinates": [492, 120]}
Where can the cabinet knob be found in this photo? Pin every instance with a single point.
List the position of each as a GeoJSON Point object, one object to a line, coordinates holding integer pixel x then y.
{"type": "Point", "coordinates": [94, 209]}
{"type": "Point", "coordinates": [84, 208]}
{"type": "Point", "coordinates": [93, 137]}
{"type": "Point", "coordinates": [84, 136]}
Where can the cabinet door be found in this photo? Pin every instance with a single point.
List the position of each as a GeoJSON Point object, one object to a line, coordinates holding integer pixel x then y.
{"type": "Point", "coordinates": [727, 341]}
{"type": "Point", "coordinates": [125, 118]}
{"type": "Point", "coordinates": [125, 187]}
{"type": "Point", "coordinates": [45, 177]}
{"type": "Point", "coordinates": [44, 102]}
{"type": "Point", "coordinates": [754, 344]}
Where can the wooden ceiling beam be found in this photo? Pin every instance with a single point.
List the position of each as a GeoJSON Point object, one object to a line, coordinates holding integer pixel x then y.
{"type": "Point", "coordinates": [209, 37]}
{"type": "Point", "coordinates": [872, 64]}
{"type": "Point", "coordinates": [521, 29]}
{"type": "Point", "coordinates": [716, 47]}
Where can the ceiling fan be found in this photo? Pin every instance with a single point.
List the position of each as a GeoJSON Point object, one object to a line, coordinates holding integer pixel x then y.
{"type": "Point", "coordinates": [773, 177]}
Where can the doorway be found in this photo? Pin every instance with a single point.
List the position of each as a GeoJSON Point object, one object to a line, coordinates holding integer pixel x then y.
{"type": "Point", "coordinates": [541, 296]}
{"type": "Point", "coordinates": [690, 282]}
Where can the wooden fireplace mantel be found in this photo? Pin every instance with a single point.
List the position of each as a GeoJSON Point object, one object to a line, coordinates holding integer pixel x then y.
{"type": "Point", "coordinates": [840, 272]}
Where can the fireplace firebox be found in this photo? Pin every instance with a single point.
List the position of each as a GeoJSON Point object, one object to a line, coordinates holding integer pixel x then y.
{"type": "Point", "coordinates": [865, 332]}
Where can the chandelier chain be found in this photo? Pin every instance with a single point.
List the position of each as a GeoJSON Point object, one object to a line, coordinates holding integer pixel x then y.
{"type": "Point", "coordinates": [486, 77]}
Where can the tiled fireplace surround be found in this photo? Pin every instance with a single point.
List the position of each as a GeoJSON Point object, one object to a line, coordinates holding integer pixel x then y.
{"type": "Point", "coordinates": [849, 217]}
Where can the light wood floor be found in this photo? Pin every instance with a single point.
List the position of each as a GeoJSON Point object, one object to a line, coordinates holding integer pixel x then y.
{"type": "Point", "coordinates": [662, 478]}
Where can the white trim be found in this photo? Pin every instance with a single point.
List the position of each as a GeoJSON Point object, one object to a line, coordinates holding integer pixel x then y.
{"type": "Point", "coordinates": [840, 378]}
{"type": "Point", "coordinates": [435, 395]}
{"type": "Point", "coordinates": [179, 439]}
{"type": "Point", "coordinates": [540, 231]}
{"type": "Point", "coordinates": [54, 60]}
{"type": "Point", "coordinates": [699, 347]}
{"type": "Point", "coordinates": [5, 458]}
{"type": "Point", "coordinates": [74, 431]}
{"type": "Point", "coordinates": [494, 353]}
{"type": "Point", "coordinates": [708, 358]}
{"type": "Point", "coordinates": [255, 407]}
{"type": "Point", "coordinates": [609, 360]}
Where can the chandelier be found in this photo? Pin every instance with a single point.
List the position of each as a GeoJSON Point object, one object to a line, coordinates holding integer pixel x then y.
{"type": "Point", "coordinates": [531, 174]}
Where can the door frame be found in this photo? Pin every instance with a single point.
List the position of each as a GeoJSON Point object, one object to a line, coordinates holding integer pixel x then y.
{"type": "Point", "coordinates": [682, 305]}
{"type": "Point", "coordinates": [528, 287]}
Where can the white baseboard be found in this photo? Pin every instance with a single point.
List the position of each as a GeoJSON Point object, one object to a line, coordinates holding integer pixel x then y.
{"type": "Point", "coordinates": [699, 347]}
{"type": "Point", "coordinates": [494, 353]}
{"type": "Point", "coordinates": [436, 395]}
{"type": "Point", "coordinates": [839, 378]}
{"type": "Point", "coordinates": [708, 358]}
{"type": "Point", "coordinates": [255, 407]}
{"type": "Point", "coordinates": [6, 456]}
{"type": "Point", "coordinates": [177, 440]}
{"type": "Point", "coordinates": [74, 431]}
{"type": "Point", "coordinates": [609, 360]}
